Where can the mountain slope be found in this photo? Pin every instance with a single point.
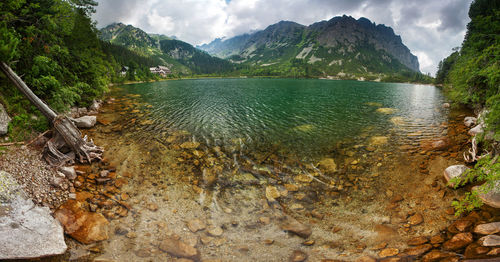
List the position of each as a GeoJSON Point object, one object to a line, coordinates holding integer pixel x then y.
{"type": "Point", "coordinates": [341, 46]}
{"type": "Point", "coordinates": [180, 56]}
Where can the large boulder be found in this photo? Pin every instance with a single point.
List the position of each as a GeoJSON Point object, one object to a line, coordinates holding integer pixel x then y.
{"type": "Point", "coordinates": [86, 227]}
{"type": "Point", "coordinates": [4, 121]}
{"type": "Point", "coordinates": [26, 231]}
{"type": "Point", "coordinates": [85, 121]}
{"type": "Point", "coordinates": [453, 172]}
{"type": "Point", "coordinates": [492, 197]}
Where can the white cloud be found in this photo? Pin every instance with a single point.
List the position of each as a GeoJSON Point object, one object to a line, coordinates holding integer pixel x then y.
{"type": "Point", "coordinates": [429, 28]}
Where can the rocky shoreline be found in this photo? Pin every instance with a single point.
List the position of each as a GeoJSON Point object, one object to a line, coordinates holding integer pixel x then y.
{"type": "Point", "coordinates": [105, 211]}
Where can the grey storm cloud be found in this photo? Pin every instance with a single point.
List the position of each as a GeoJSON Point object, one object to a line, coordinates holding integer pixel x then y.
{"type": "Point", "coordinates": [429, 28]}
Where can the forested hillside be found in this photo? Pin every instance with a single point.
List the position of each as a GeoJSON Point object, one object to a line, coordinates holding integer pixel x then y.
{"type": "Point", "coordinates": [54, 46]}
{"type": "Point", "coordinates": [471, 77]}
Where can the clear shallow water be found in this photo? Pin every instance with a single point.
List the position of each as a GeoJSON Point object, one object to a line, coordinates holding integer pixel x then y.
{"type": "Point", "coordinates": [260, 140]}
{"type": "Point", "coordinates": [304, 117]}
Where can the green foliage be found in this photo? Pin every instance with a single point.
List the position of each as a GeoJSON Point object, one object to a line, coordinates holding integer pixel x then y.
{"type": "Point", "coordinates": [444, 68]}
{"type": "Point", "coordinates": [472, 77]}
{"type": "Point", "coordinates": [486, 170]}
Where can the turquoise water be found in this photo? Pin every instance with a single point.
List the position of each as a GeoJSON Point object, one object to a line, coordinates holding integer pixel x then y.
{"type": "Point", "coordinates": [302, 117]}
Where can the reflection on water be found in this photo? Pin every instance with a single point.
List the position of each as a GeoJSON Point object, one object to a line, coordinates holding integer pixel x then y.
{"type": "Point", "coordinates": [303, 117]}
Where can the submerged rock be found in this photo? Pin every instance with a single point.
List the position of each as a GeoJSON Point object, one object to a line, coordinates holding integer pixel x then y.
{"type": "Point", "coordinates": [26, 230]}
{"type": "Point", "coordinates": [327, 165]}
{"type": "Point", "coordinates": [458, 241]}
{"type": "Point", "coordinates": [86, 227]}
{"type": "Point", "coordinates": [378, 140]}
{"type": "Point", "coordinates": [292, 225]}
{"type": "Point", "coordinates": [178, 248]}
{"type": "Point", "coordinates": [297, 256]}
{"type": "Point", "coordinates": [272, 193]}
{"type": "Point", "coordinates": [190, 145]}
{"type": "Point", "coordinates": [4, 121]}
{"type": "Point", "coordinates": [196, 225]}
{"type": "Point", "coordinates": [386, 110]}
{"type": "Point", "coordinates": [85, 121]}
{"type": "Point", "coordinates": [454, 171]}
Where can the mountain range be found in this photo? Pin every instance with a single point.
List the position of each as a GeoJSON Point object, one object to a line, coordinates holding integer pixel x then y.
{"type": "Point", "coordinates": [342, 47]}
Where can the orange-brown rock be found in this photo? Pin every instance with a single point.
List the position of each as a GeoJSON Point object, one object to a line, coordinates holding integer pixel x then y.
{"type": "Point", "coordinates": [458, 241]}
{"type": "Point", "coordinates": [437, 255]}
{"type": "Point", "coordinates": [178, 248]}
{"type": "Point", "coordinates": [86, 227]}
{"type": "Point", "coordinates": [417, 241]}
{"type": "Point", "coordinates": [418, 250]}
{"type": "Point", "coordinates": [388, 252]}
{"type": "Point", "coordinates": [475, 250]}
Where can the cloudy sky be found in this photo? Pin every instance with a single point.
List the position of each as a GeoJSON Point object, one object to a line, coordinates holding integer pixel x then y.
{"type": "Point", "coordinates": [430, 28]}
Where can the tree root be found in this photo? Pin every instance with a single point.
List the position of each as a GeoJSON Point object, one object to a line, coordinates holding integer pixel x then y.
{"type": "Point", "coordinates": [68, 135]}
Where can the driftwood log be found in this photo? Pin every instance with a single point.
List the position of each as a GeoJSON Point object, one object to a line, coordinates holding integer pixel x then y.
{"type": "Point", "coordinates": [67, 143]}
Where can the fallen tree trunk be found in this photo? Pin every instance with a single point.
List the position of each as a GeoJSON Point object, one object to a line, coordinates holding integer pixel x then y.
{"type": "Point", "coordinates": [66, 135]}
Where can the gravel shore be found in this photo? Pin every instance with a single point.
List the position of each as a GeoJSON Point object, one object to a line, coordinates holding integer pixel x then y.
{"type": "Point", "coordinates": [36, 176]}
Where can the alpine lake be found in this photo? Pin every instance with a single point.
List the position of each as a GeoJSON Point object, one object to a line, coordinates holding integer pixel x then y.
{"type": "Point", "coordinates": [257, 169]}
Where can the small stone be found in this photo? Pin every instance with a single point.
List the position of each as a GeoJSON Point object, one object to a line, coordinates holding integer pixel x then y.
{"type": "Point", "coordinates": [327, 165]}
{"type": "Point", "coordinates": [272, 193]}
{"type": "Point", "coordinates": [152, 206]}
{"type": "Point", "coordinates": [458, 241]}
{"type": "Point", "coordinates": [268, 241]}
{"type": "Point", "coordinates": [143, 252]}
{"type": "Point", "coordinates": [190, 145]}
{"type": "Point", "coordinates": [265, 220]}
{"type": "Point", "coordinates": [417, 241]}
{"type": "Point", "coordinates": [308, 242]}
{"type": "Point", "coordinates": [437, 239]}
{"type": "Point", "coordinates": [437, 255]}
{"type": "Point", "coordinates": [315, 213]}
{"type": "Point", "coordinates": [131, 235]}
{"type": "Point", "coordinates": [388, 252]}
{"type": "Point", "coordinates": [487, 229]}
{"type": "Point", "coordinates": [494, 252]}
{"type": "Point", "coordinates": [416, 219]}
{"type": "Point", "coordinates": [121, 230]}
{"type": "Point", "coordinates": [298, 256]}
{"type": "Point", "coordinates": [396, 198]}
{"type": "Point", "coordinates": [178, 248]}
{"type": "Point", "coordinates": [292, 225]}
{"type": "Point", "coordinates": [124, 196]}
{"type": "Point", "coordinates": [379, 246]}
{"type": "Point", "coordinates": [418, 250]}
{"type": "Point", "coordinates": [215, 231]}
{"type": "Point", "coordinates": [85, 121]}
{"type": "Point", "coordinates": [490, 241]}
{"type": "Point", "coordinates": [196, 225]}
{"type": "Point", "coordinates": [366, 259]}
{"type": "Point", "coordinates": [68, 171]}
{"type": "Point", "coordinates": [474, 250]}
{"type": "Point", "coordinates": [291, 187]}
